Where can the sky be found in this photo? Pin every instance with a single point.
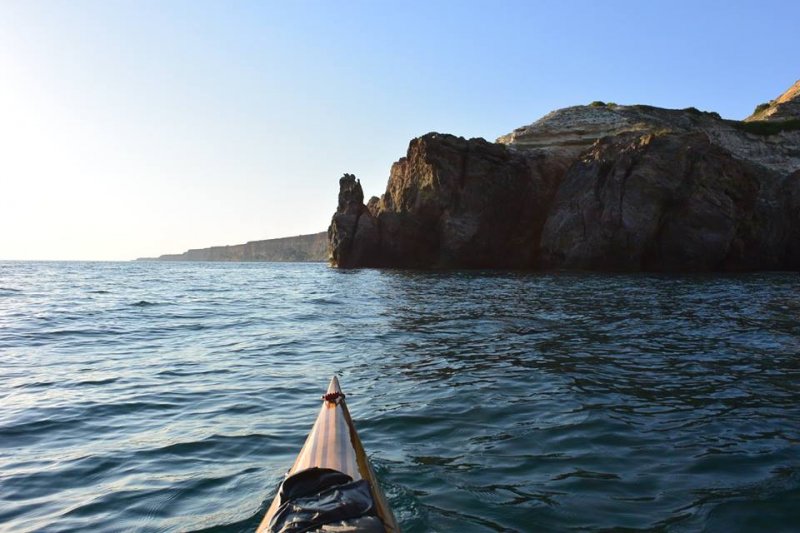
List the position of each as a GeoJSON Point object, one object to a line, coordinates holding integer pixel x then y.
{"type": "Point", "coordinates": [143, 127]}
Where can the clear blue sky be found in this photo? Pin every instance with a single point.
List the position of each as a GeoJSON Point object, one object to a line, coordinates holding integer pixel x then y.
{"type": "Point", "coordinates": [135, 128]}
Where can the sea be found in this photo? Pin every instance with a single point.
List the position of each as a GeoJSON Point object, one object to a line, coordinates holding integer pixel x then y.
{"type": "Point", "coordinates": [147, 396]}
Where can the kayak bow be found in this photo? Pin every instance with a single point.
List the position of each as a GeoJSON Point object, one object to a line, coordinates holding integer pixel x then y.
{"type": "Point", "coordinates": [332, 445]}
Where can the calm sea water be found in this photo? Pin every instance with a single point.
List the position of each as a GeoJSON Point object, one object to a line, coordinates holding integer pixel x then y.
{"type": "Point", "coordinates": [173, 396]}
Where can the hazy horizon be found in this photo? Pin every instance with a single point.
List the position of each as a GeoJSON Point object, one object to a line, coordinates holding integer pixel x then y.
{"type": "Point", "coordinates": [135, 129]}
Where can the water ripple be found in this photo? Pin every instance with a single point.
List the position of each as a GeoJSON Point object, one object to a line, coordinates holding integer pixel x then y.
{"type": "Point", "coordinates": [172, 397]}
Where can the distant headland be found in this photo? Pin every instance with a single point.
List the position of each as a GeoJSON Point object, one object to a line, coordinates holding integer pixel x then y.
{"type": "Point", "coordinates": [302, 248]}
{"type": "Point", "coordinates": [593, 187]}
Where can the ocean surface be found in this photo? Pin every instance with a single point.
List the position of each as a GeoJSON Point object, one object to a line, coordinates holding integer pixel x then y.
{"type": "Point", "coordinates": [173, 396]}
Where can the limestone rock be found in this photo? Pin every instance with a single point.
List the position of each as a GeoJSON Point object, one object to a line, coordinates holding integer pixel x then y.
{"type": "Point", "coordinates": [302, 248]}
{"type": "Point", "coordinates": [569, 132]}
{"type": "Point", "coordinates": [784, 107]}
{"type": "Point", "coordinates": [597, 187]}
{"type": "Point", "coordinates": [662, 202]}
{"type": "Point", "coordinates": [790, 192]}
{"type": "Point", "coordinates": [346, 245]}
{"type": "Point", "coordinates": [455, 202]}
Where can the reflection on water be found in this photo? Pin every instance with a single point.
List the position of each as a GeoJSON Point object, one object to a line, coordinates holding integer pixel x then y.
{"type": "Point", "coordinates": [173, 396]}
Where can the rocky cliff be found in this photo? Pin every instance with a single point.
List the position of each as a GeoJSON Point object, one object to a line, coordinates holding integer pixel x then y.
{"type": "Point", "coordinates": [784, 107]}
{"type": "Point", "coordinates": [601, 186]}
{"type": "Point", "coordinates": [302, 248]}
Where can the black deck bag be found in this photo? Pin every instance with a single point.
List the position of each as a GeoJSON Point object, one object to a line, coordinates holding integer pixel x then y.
{"type": "Point", "coordinates": [325, 500]}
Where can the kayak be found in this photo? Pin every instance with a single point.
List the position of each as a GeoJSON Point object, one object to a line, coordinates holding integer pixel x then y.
{"type": "Point", "coordinates": [331, 485]}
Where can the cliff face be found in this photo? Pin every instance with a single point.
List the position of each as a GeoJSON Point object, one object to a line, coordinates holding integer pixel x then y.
{"type": "Point", "coordinates": [574, 130]}
{"type": "Point", "coordinates": [784, 107]}
{"type": "Point", "coordinates": [288, 249]}
{"type": "Point", "coordinates": [664, 202]}
{"type": "Point", "coordinates": [588, 187]}
{"type": "Point", "coordinates": [450, 202]}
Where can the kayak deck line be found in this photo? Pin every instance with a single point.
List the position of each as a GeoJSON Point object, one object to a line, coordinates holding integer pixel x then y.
{"type": "Point", "coordinates": [333, 443]}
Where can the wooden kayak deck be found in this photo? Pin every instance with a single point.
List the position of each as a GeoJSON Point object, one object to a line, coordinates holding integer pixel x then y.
{"type": "Point", "coordinates": [334, 443]}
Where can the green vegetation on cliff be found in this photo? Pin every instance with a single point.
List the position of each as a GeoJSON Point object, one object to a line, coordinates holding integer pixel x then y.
{"type": "Point", "coordinates": [768, 128]}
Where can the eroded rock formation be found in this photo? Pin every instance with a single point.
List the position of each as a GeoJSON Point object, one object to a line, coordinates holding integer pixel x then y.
{"type": "Point", "coordinates": [603, 186]}
{"type": "Point", "coordinates": [352, 235]}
